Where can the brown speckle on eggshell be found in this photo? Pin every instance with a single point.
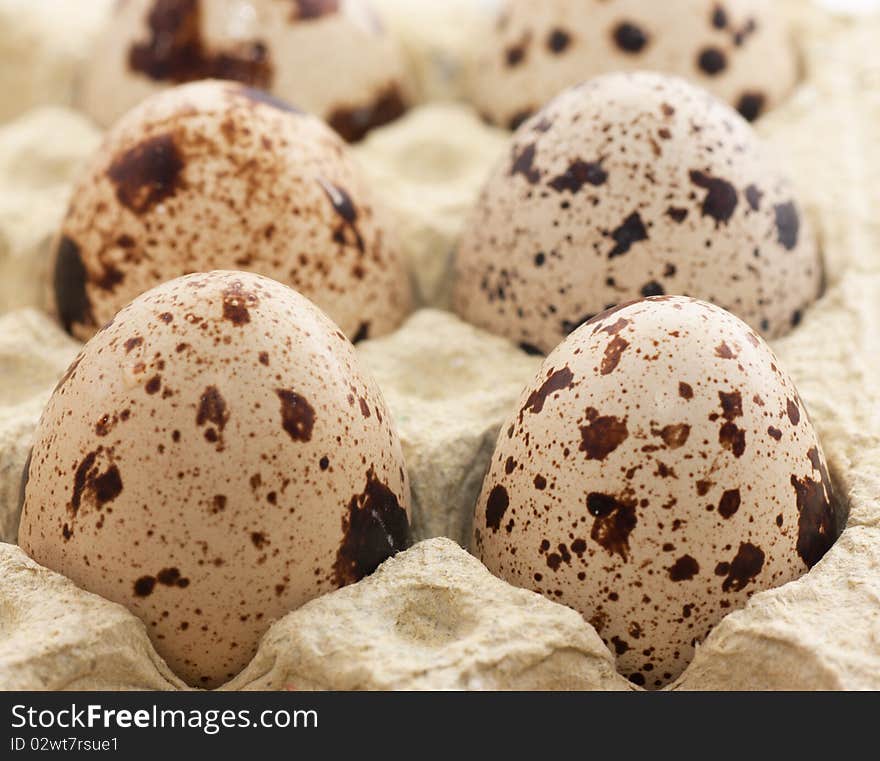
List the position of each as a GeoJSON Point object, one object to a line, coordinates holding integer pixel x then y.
{"type": "Point", "coordinates": [211, 500]}
{"type": "Point", "coordinates": [208, 176]}
{"type": "Point", "coordinates": [629, 186]}
{"type": "Point", "coordinates": [621, 495]}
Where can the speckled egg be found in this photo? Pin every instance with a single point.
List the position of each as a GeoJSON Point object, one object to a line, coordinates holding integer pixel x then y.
{"type": "Point", "coordinates": [741, 50]}
{"type": "Point", "coordinates": [659, 470]}
{"type": "Point", "coordinates": [214, 175]}
{"type": "Point", "coordinates": [629, 186]}
{"type": "Point", "coordinates": [330, 57]}
{"type": "Point", "coordinates": [214, 458]}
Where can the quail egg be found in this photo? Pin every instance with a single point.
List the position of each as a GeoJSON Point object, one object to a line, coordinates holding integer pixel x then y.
{"type": "Point", "coordinates": [276, 45]}
{"type": "Point", "coordinates": [741, 50]}
{"type": "Point", "coordinates": [216, 175]}
{"type": "Point", "coordinates": [659, 470]}
{"type": "Point", "coordinates": [629, 186]}
{"type": "Point", "coordinates": [215, 457]}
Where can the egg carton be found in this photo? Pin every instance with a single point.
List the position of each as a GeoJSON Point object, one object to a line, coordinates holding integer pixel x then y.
{"type": "Point", "coordinates": [433, 617]}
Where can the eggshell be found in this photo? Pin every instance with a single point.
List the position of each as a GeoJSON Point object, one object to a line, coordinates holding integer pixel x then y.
{"type": "Point", "coordinates": [628, 186]}
{"type": "Point", "coordinates": [214, 458]}
{"type": "Point", "coordinates": [214, 175]}
{"type": "Point", "coordinates": [331, 57]}
{"type": "Point", "coordinates": [659, 470]}
{"type": "Point", "coordinates": [741, 50]}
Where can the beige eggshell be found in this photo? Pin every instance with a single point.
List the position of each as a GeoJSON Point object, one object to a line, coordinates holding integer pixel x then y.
{"type": "Point", "coordinates": [740, 50]}
{"type": "Point", "coordinates": [332, 58]}
{"type": "Point", "coordinates": [214, 458]}
{"type": "Point", "coordinates": [215, 175]}
{"type": "Point", "coordinates": [629, 186]}
{"type": "Point", "coordinates": [659, 470]}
